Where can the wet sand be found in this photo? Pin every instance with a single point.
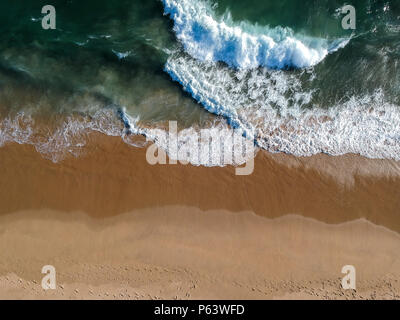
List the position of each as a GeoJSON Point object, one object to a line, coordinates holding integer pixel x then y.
{"type": "Point", "coordinates": [114, 178]}
{"type": "Point", "coordinates": [112, 224]}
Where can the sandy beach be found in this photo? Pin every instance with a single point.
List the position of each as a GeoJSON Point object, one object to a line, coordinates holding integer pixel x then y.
{"type": "Point", "coordinates": [91, 92]}
{"type": "Point", "coordinates": [115, 227]}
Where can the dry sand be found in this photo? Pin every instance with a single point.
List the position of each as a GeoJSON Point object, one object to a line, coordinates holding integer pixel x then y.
{"type": "Point", "coordinates": [116, 227]}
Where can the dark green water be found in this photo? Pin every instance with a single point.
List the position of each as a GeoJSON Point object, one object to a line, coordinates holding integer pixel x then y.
{"type": "Point", "coordinates": [315, 17]}
{"type": "Point", "coordinates": [77, 65]}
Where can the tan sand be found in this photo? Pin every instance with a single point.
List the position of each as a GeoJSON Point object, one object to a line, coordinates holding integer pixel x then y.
{"type": "Point", "coordinates": [185, 253]}
{"type": "Point", "coordinates": [116, 227]}
{"type": "Point", "coordinates": [114, 178]}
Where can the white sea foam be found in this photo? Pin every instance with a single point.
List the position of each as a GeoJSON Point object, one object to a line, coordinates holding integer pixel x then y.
{"type": "Point", "coordinates": [68, 137]}
{"type": "Point", "coordinates": [121, 55]}
{"type": "Point", "coordinates": [217, 145]}
{"type": "Point", "coordinates": [209, 38]}
{"type": "Point", "coordinates": [268, 105]}
{"type": "Point", "coordinates": [265, 102]}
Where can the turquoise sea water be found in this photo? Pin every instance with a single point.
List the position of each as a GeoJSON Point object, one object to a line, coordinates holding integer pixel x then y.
{"type": "Point", "coordinates": [284, 72]}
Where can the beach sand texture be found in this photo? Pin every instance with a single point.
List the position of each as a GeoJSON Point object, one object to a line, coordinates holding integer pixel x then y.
{"type": "Point", "coordinates": [116, 227]}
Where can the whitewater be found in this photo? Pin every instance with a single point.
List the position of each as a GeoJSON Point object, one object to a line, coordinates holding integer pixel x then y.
{"type": "Point", "coordinates": [256, 93]}
{"type": "Point", "coordinates": [257, 80]}
{"type": "Point", "coordinates": [206, 38]}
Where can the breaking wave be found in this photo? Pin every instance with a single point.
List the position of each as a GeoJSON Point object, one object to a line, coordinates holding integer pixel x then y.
{"type": "Point", "coordinates": [207, 38]}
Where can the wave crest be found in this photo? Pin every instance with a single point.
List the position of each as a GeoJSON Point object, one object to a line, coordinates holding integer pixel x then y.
{"type": "Point", "coordinates": [206, 38]}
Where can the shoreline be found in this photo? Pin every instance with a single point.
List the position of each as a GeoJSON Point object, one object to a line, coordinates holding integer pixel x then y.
{"type": "Point", "coordinates": [113, 178]}
{"type": "Point", "coordinates": [116, 227]}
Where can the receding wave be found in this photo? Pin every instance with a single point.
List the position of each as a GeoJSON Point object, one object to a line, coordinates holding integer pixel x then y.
{"type": "Point", "coordinates": [217, 145]}
{"type": "Point", "coordinates": [68, 137]}
{"type": "Point", "coordinates": [207, 38]}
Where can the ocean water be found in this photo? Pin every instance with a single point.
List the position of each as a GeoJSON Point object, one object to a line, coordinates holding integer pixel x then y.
{"type": "Point", "coordinates": [285, 74]}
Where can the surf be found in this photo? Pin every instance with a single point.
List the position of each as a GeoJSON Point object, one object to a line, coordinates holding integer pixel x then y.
{"type": "Point", "coordinates": [207, 37]}
{"type": "Point", "coordinates": [268, 106]}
